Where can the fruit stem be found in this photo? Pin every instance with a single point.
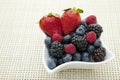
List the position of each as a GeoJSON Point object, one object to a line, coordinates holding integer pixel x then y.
{"type": "Point", "coordinates": [75, 9]}
{"type": "Point", "coordinates": [53, 14]}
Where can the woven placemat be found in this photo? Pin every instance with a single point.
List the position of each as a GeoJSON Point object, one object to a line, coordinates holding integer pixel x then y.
{"type": "Point", "coordinates": [21, 40]}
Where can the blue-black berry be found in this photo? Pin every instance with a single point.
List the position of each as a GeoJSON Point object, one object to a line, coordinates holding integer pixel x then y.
{"type": "Point", "coordinates": [60, 61]}
{"type": "Point", "coordinates": [85, 54]}
{"type": "Point", "coordinates": [85, 58]}
{"type": "Point", "coordinates": [85, 26]}
{"type": "Point", "coordinates": [80, 31]}
{"type": "Point", "coordinates": [48, 42]}
{"type": "Point", "coordinates": [67, 58]}
{"type": "Point", "coordinates": [99, 54]}
{"type": "Point", "coordinates": [51, 63]}
{"type": "Point", "coordinates": [91, 49]}
{"type": "Point", "coordinates": [80, 43]}
{"type": "Point", "coordinates": [77, 57]}
{"type": "Point", "coordinates": [56, 49]}
{"type": "Point", "coordinates": [67, 39]}
{"type": "Point", "coordinates": [96, 28]}
{"type": "Point", "coordinates": [73, 34]}
{"type": "Point", "coordinates": [97, 43]}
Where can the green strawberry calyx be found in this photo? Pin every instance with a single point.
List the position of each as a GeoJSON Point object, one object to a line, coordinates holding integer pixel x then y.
{"type": "Point", "coordinates": [75, 9]}
{"type": "Point", "coordinates": [53, 14]}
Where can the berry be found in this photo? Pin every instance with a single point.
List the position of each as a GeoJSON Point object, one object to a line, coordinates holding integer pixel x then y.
{"type": "Point", "coordinates": [91, 20]}
{"type": "Point", "coordinates": [48, 42]}
{"type": "Point", "coordinates": [56, 49]}
{"type": "Point", "coordinates": [50, 24]}
{"type": "Point", "coordinates": [70, 49]}
{"type": "Point", "coordinates": [55, 60]}
{"type": "Point", "coordinates": [97, 43]}
{"type": "Point", "coordinates": [96, 28]}
{"type": "Point", "coordinates": [91, 49]}
{"type": "Point", "coordinates": [51, 63]}
{"type": "Point", "coordinates": [85, 58]}
{"type": "Point", "coordinates": [70, 20]}
{"type": "Point", "coordinates": [99, 54]}
{"type": "Point", "coordinates": [85, 54]}
{"type": "Point", "coordinates": [67, 58]}
{"type": "Point", "coordinates": [80, 42]}
{"type": "Point", "coordinates": [57, 37]}
{"type": "Point", "coordinates": [91, 36]}
{"type": "Point", "coordinates": [84, 25]}
{"type": "Point", "coordinates": [73, 34]}
{"type": "Point", "coordinates": [80, 31]}
{"type": "Point", "coordinates": [67, 39]}
{"type": "Point", "coordinates": [60, 61]}
{"type": "Point", "coordinates": [76, 57]}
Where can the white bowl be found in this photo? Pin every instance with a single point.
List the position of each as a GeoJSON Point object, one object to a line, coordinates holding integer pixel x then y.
{"type": "Point", "coordinates": [76, 64]}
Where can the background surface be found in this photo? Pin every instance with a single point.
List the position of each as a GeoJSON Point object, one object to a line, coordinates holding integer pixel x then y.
{"type": "Point", "coordinates": [21, 40]}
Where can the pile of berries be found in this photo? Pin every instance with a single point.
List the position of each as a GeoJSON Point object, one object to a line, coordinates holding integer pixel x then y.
{"type": "Point", "coordinates": [71, 39]}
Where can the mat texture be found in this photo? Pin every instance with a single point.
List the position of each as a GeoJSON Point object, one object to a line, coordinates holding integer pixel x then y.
{"type": "Point", "coordinates": [21, 40]}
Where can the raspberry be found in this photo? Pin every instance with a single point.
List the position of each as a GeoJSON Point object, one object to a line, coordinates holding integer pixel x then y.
{"type": "Point", "coordinates": [91, 20]}
{"type": "Point", "coordinates": [91, 36]}
{"type": "Point", "coordinates": [57, 37]}
{"type": "Point", "coordinates": [70, 49]}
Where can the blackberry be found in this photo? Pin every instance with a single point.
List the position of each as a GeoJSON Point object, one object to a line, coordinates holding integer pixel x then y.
{"type": "Point", "coordinates": [80, 42]}
{"type": "Point", "coordinates": [73, 34]}
{"type": "Point", "coordinates": [96, 28]}
{"type": "Point", "coordinates": [99, 54]}
{"type": "Point", "coordinates": [56, 49]}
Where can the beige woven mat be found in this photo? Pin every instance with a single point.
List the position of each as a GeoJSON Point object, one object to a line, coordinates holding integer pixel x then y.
{"type": "Point", "coordinates": [21, 41]}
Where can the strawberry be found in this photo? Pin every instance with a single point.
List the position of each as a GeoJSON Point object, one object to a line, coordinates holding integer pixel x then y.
{"type": "Point", "coordinates": [70, 20]}
{"type": "Point", "coordinates": [51, 24]}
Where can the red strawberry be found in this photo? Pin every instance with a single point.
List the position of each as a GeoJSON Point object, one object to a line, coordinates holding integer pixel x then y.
{"type": "Point", "coordinates": [91, 20]}
{"type": "Point", "coordinates": [51, 24]}
{"type": "Point", "coordinates": [70, 20]}
{"type": "Point", "coordinates": [91, 36]}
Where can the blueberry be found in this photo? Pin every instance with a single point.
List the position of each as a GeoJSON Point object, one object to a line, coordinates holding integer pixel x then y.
{"type": "Point", "coordinates": [67, 58]}
{"type": "Point", "coordinates": [80, 31]}
{"type": "Point", "coordinates": [86, 54]}
{"type": "Point", "coordinates": [51, 63]}
{"type": "Point", "coordinates": [84, 25]}
{"type": "Point", "coordinates": [48, 42]}
{"type": "Point", "coordinates": [90, 49]}
{"type": "Point", "coordinates": [67, 39]}
{"type": "Point", "coordinates": [97, 43]}
{"type": "Point", "coordinates": [76, 57]}
{"type": "Point", "coordinates": [73, 34]}
{"type": "Point", "coordinates": [55, 60]}
{"type": "Point", "coordinates": [60, 61]}
{"type": "Point", "coordinates": [85, 58]}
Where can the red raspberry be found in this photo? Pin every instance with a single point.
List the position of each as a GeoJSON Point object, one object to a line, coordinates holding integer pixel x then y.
{"type": "Point", "coordinates": [57, 37]}
{"type": "Point", "coordinates": [70, 49]}
{"type": "Point", "coordinates": [91, 36]}
{"type": "Point", "coordinates": [91, 20]}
